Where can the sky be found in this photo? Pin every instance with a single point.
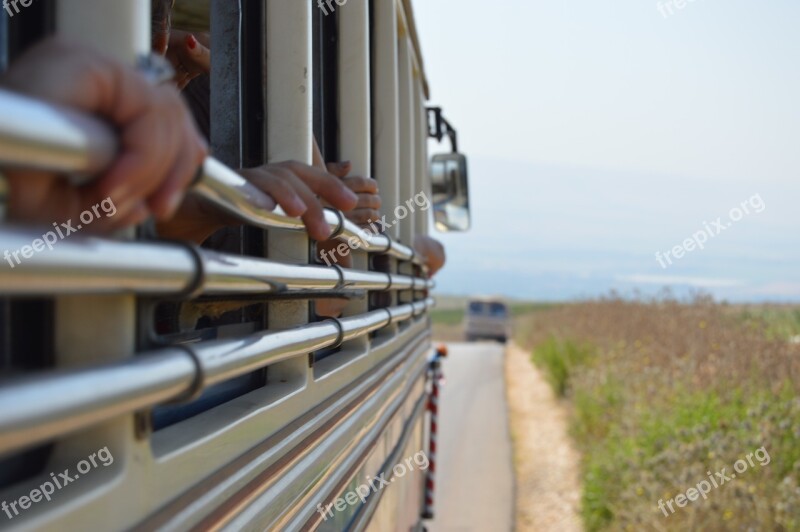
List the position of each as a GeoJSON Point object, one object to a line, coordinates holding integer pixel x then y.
{"type": "Point", "coordinates": [601, 133]}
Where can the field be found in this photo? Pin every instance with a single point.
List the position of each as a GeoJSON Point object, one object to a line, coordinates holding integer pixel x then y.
{"type": "Point", "coordinates": [665, 395]}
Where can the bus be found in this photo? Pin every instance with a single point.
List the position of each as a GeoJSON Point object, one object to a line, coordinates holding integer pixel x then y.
{"type": "Point", "coordinates": [487, 318]}
{"type": "Point", "coordinates": [149, 384]}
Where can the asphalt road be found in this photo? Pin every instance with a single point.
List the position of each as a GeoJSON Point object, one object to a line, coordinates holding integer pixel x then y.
{"type": "Point", "coordinates": [474, 479]}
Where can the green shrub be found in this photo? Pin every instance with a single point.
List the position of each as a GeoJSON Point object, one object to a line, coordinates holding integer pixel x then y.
{"type": "Point", "coordinates": [558, 360]}
{"type": "Point", "coordinates": [634, 457]}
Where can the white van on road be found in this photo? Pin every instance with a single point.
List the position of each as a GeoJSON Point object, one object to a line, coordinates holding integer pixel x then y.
{"type": "Point", "coordinates": [487, 318]}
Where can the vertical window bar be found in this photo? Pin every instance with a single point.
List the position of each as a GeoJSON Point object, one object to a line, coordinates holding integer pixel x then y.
{"type": "Point", "coordinates": [289, 103]}
{"type": "Point", "coordinates": [318, 111]}
{"type": "Point", "coordinates": [421, 181]}
{"type": "Point", "coordinates": [407, 138]}
{"type": "Point", "coordinates": [3, 43]}
{"type": "Point", "coordinates": [385, 95]}
{"type": "Point", "coordinates": [226, 82]}
{"type": "Point", "coordinates": [385, 131]}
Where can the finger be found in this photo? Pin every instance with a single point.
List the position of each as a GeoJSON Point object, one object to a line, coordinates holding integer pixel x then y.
{"type": "Point", "coordinates": [198, 55]}
{"type": "Point", "coordinates": [368, 201]}
{"type": "Point", "coordinates": [363, 217]}
{"type": "Point", "coordinates": [314, 217]}
{"type": "Point", "coordinates": [340, 169]}
{"type": "Point", "coordinates": [149, 148]}
{"type": "Point", "coordinates": [359, 184]}
{"type": "Point", "coordinates": [325, 185]}
{"type": "Point", "coordinates": [137, 215]}
{"type": "Point", "coordinates": [181, 80]}
{"type": "Point", "coordinates": [166, 200]}
{"type": "Point", "coordinates": [277, 182]}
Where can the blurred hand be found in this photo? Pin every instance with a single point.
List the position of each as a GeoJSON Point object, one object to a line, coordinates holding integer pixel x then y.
{"type": "Point", "coordinates": [160, 149]}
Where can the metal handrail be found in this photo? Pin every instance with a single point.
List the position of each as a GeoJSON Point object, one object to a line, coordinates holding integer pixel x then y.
{"type": "Point", "coordinates": [40, 135]}
{"type": "Point", "coordinates": [91, 395]}
{"type": "Point", "coordinates": [238, 197]}
{"type": "Point", "coordinates": [45, 136]}
{"type": "Point", "coordinates": [96, 265]}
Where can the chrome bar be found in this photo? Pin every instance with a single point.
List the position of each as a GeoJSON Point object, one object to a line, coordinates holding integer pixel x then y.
{"type": "Point", "coordinates": [41, 135]}
{"type": "Point", "coordinates": [222, 360]}
{"type": "Point", "coordinates": [238, 197]}
{"type": "Point", "coordinates": [358, 326]}
{"type": "Point", "coordinates": [403, 282]}
{"type": "Point", "coordinates": [44, 406]}
{"type": "Point", "coordinates": [368, 280]}
{"type": "Point", "coordinates": [401, 313]}
{"type": "Point", "coordinates": [230, 273]}
{"type": "Point", "coordinates": [84, 265]}
{"type": "Point", "coordinates": [93, 265]}
{"type": "Point", "coordinates": [420, 307]}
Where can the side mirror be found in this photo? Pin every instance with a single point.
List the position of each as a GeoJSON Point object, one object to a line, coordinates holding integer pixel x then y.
{"type": "Point", "coordinates": [450, 192]}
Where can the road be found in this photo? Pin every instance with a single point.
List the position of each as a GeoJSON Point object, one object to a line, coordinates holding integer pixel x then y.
{"type": "Point", "coordinates": [474, 479]}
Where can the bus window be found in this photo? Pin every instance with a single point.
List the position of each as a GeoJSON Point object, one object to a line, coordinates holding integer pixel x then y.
{"type": "Point", "coordinates": [476, 307]}
{"type": "Point", "coordinates": [498, 310]}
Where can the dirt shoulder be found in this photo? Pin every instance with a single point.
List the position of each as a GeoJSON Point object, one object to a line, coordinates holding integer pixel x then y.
{"type": "Point", "coordinates": [546, 462]}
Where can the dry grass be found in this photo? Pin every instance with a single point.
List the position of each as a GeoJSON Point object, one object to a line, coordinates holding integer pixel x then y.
{"type": "Point", "coordinates": [663, 392]}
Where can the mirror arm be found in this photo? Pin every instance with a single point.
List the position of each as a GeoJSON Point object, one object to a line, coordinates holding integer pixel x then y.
{"type": "Point", "coordinates": [438, 127]}
{"type": "Point", "coordinates": [452, 134]}
{"type": "Point", "coordinates": [435, 123]}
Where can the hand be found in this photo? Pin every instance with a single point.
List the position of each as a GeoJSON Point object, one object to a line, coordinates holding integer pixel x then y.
{"type": "Point", "coordinates": [369, 202]}
{"type": "Point", "coordinates": [189, 57]}
{"type": "Point", "coordinates": [292, 185]}
{"type": "Point", "coordinates": [160, 149]}
{"type": "Point", "coordinates": [296, 187]}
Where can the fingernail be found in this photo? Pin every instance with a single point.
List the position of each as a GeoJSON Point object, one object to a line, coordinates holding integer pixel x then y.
{"type": "Point", "coordinates": [173, 203]}
{"type": "Point", "coordinates": [325, 229]}
{"type": "Point", "coordinates": [191, 42]}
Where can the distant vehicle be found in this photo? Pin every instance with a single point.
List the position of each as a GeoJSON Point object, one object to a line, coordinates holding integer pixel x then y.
{"type": "Point", "coordinates": [487, 318]}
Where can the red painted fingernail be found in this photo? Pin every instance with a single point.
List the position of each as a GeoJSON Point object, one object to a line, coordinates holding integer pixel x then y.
{"type": "Point", "coordinates": [191, 42]}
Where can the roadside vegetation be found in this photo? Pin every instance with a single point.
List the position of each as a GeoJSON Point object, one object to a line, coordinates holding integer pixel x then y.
{"type": "Point", "coordinates": [451, 311]}
{"type": "Point", "coordinates": [661, 393]}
